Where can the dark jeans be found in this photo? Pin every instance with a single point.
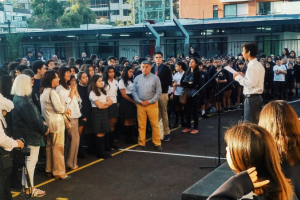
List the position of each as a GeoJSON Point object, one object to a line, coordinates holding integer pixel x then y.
{"type": "Point", "coordinates": [5, 192]}
{"type": "Point", "coordinates": [192, 105]}
{"type": "Point", "coordinates": [279, 86]}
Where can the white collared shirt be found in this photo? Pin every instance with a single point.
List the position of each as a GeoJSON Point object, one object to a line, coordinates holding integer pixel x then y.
{"type": "Point", "coordinates": [112, 90]}
{"type": "Point", "coordinates": [253, 81]}
{"type": "Point", "coordinates": [128, 88]}
{"type": "Point", "coordinates": [6, 142]}
{"type": "Point", "coordinates": [93, 97]}
{"type": "Point", "coordinates": [72, 104]}
{"type": "Point", "coordinates": [177, 77]}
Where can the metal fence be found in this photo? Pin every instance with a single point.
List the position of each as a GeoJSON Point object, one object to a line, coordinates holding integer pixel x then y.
{"type": "Point", "coordinates": [206, 49]}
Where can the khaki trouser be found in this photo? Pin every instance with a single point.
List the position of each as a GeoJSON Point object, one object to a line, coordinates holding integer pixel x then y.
{"type": "Point", "coordinates": [55, 159]}
{"type": "Point", "coordinates": [72, 144]}
{"type": "Point", "coordinates": [152, 112]}
{"type": "Point", "coordinates": [163, 113]}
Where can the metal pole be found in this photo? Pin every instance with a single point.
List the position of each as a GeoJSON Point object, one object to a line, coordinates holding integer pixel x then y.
{"type": "Point", "coordinates": [8, 22]}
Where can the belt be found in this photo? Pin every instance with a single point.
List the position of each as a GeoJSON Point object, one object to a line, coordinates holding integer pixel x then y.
{"type": "Point", "coordinates": [251, 95]}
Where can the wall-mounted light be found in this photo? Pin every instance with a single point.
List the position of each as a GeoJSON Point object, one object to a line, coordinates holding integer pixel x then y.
{"type": "Point", "coordinates": [71, 36]}
{"type": "Point", "coordinates": [124, 35]}
{"type": "Point", "coordinates": [106, 35]}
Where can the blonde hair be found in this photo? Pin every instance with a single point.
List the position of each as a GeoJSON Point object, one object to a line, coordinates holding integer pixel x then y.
{"type": "Point", "coordinates": [22, 86]}
{"type": "Point", "coordinates": [249, 146]}
{"type": "Point", "coordinates": [281, 120]}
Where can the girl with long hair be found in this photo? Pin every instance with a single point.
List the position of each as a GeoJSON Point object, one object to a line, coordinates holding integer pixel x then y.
{"type": "Point", "coordinates": [111, 88]}
{"type": "Point", "coordinates": [285, 53]}
{"type": "Point", "coordinates": [281, 120]}
{"type": "Point", "coordinates": [67, 89]}
{"type": "Point", "coordinates": [127, 105]}
{"type": "Point", "coordinates": [248, 146]}
{"type": "Point", "coordinates": [99, 114]}
{"type": "Point", "coordinates": [189, 81]}
{"type": "Point", "coordinates": [88, 69]}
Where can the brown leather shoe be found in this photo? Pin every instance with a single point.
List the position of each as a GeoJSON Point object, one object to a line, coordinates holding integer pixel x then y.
{"type": "Point", "coordinates": [158, 148]}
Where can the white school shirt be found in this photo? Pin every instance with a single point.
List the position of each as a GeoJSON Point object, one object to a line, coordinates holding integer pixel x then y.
{"type": "Point", "coordinates": [72, 104]}
{"type": "Point", "coordinates": [112, 90]}
{"type": "Point", "coordinates": [253, 81]}
{"type": "Point", "coordinates": [128, 88]}
{"type": "Point", "coordinates": [177, 77]}
{"type": "Point", "coordinates": [279, 77]}
{"type": "Point", "coordinates": [93, 97]}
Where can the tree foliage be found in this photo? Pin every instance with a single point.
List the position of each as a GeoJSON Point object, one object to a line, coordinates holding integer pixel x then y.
{"type": "Point", "coordinates": [14, 45]}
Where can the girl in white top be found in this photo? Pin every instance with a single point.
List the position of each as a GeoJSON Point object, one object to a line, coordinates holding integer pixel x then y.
{"type": "Point", "coordinates": [99, 114]}
{"type": "Point", "coordinates": [177, 91]}
{"type": "Point", "coordinates": [127, 105]}
{"type": "Point", "coordinates": [68, 91]}
{"type": "Point", "coordinates": [111, 87]}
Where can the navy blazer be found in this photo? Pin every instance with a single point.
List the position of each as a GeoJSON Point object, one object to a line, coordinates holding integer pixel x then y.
{"type": "Point", "coordinates": [165, 76]}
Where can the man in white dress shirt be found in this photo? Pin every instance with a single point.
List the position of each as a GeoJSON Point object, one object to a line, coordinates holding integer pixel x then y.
{"type": "Point", "coordinates": [253, 82]}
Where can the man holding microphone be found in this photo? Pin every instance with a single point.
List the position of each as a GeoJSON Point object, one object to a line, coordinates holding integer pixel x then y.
{"type": "Point", "coordinates": [253, 82]}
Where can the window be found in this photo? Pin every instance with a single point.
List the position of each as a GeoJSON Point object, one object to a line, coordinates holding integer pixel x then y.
{"type": "Point", "coordinates": [114, 1]}
{"type": "Point", "coordinates": [230, 10]}
{"type": "Point", "coordinates": [126, 12]}
{"type": "Point", "coordinates": [98, 3]}
{"type": "Point", "coordinates": [115, 12]}
{"type": "Point", "coordinates": [215, 11]}
{"type": "Point", "coordinates": [102, 13]}
{"type": "Point", "coordinates": [269, 8]}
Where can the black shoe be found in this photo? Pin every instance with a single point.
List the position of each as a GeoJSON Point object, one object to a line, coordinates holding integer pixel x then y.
{"type": "Point", "coordinates": [175, 125]}
{"type": "Point", "coordinates": [114, 146]}
{"type": "Point", "coordinates": [103, 155]}
{"type": "Point", "coordinates": [231, 109]}
{"type": "Point", "coordinates": [139, 147]}
{"type": "Point", "coordinates": [225, 109]}
{"type": "Point", "coordinates": [158, 148]}
{"type": "Point", "coordinates": [205, 116]}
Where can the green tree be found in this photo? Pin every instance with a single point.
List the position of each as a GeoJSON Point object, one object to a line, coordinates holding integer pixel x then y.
{"type": "Point", "coordinates": [14, 45]}
{"type": "Point", "coordinates": [45, 14]}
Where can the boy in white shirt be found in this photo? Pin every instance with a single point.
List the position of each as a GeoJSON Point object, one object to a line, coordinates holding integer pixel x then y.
{"type": "Point", "coordinates": [279, 78]}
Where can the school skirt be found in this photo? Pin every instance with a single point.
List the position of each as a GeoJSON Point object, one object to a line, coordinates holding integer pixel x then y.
{"type": "Point", "coordinates": [128, 109]}
{"type": "Point", "coordinates": [113, 111]}
{"type": "Point", "coordinates": [99, 121]}
{"type": "Point", "coordinates": [290, 85]}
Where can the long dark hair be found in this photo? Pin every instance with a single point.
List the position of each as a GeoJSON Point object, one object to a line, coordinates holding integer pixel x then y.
{"type": "Point", "coordinates": [287, 53]}
{"type": "Point", "coordinates": [61, 75]}
{"type": "Point", "coordinates": [196, 69]}
{"type": "Point", "coordinates": [125, 75]}
{"type": "Point", "coordinates": [5, 86]}
{"type": "Point", "coordinates": [105, 75]}
{"type": "Point", "coordinates": [93, 87]}
{"type": "Point", "coordinates": [47, 80]}
{"type": "Point", "coordinates": [85, 68]}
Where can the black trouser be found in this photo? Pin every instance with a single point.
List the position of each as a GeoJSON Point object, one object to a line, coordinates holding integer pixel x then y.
{"type": "Point", "coordinates": [5, 192]}
{"type": "Point", "coordinates": [279, 86]}
{"type": "Point", "coordinates": [252, 108]}
{"type": "Point", "coordinates": [192, 103]}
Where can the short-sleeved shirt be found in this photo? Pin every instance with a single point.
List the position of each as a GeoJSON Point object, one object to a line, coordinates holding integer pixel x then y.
{"type": "Point", "coordinates": [279, 77]}
{"type": "Point", "coordinates": [93, 97]}
{"type": "Point", "coordinates": [112, 90]}
{"type": "Point", "coordinates": [128, 88]}
{"type": "Point", "coordinates": [177, 77]}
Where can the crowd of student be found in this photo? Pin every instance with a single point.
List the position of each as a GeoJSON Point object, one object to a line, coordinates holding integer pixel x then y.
{"type": "Point", "coordinates": [55, 101]}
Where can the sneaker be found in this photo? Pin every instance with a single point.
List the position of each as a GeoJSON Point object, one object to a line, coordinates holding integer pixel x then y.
{"type": "Point", "coordinates": [194, 131]}
{"type": "Point", "coordinates": [186, 130]}
{"type": "Point", "coordinates": [205, 116]}
{"type": "Point", "coordinates": [225, 109]}
{"type": "Point", "coordinates": [166, 138]}
{"type": "Point", "coordinates": [213, 110]}
{"type": "Point", "coordinates": [238, 108]}
{"type": "Point", "coordinates": [231, 109]}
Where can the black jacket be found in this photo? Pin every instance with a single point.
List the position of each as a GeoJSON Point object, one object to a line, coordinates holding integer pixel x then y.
{"type": "Point", "coordinates": [86, 103]}
{"type": "Point", "coordinates": [202, 80]}
{"type": "Point", "coordinates": [269, 76]}
{"type": "Point", "coordinates": [235, 188]}
{"type": "Point", "coordinates": [297, 71]}
{"type": "Point", "coordinates": [36, 93]}
{"type": "Point", "coordinates": [195, 83]}
{"type": "Point", "coordinates": [194, 54]}
{"type": "Point", "coordinates": [290, 76]}
{"type": "Point", "coordinates": [27, 121]}
{"type": "Point", "coordinates": [165, 77]}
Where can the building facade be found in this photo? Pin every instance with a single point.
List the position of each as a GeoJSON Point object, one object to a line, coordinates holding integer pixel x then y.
{"type": "Point", "coordinates": [203, 9]}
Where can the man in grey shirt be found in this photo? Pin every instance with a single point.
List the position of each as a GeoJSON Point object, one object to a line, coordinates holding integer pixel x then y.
{"type": "Point", "coordinates": [146, 92]}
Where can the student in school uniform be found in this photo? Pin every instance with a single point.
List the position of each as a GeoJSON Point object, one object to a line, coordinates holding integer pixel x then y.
{"type": "Point", "coordinates": [99, 115]}
{"type": "Point", "coordinates": [85, 110]}
{"type": "Point", "coordinates": [128, 110]}
{"type": "Point", "coordinates": [220, 84]}
{"type": "Point", "coordinates": [202, 80]}
{"type": "Point", "coordinates": [268, 83]}
{"type": "Point", "coordinates": [297, 75]}
{"type": "Point", "coordinates": [176, 93]}
{"type": "Point", "coordinates": [227, 92]}
{"type": "Point", "coordinates": [111, 88]}
{"type": "Point", "coordinates": [279, 78]}
{"type": "Point", "coordinates": [290, 81]}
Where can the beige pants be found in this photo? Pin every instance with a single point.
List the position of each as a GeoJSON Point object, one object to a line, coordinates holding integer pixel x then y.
{"type": "Point", "coordinates": [55, 159]}
{"type": "Point", "coordinates": [163, 114]}
{"type": "Point", "coordinates": [72, 144]}
{"type": "Point", "coordinates": [151, 111]}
